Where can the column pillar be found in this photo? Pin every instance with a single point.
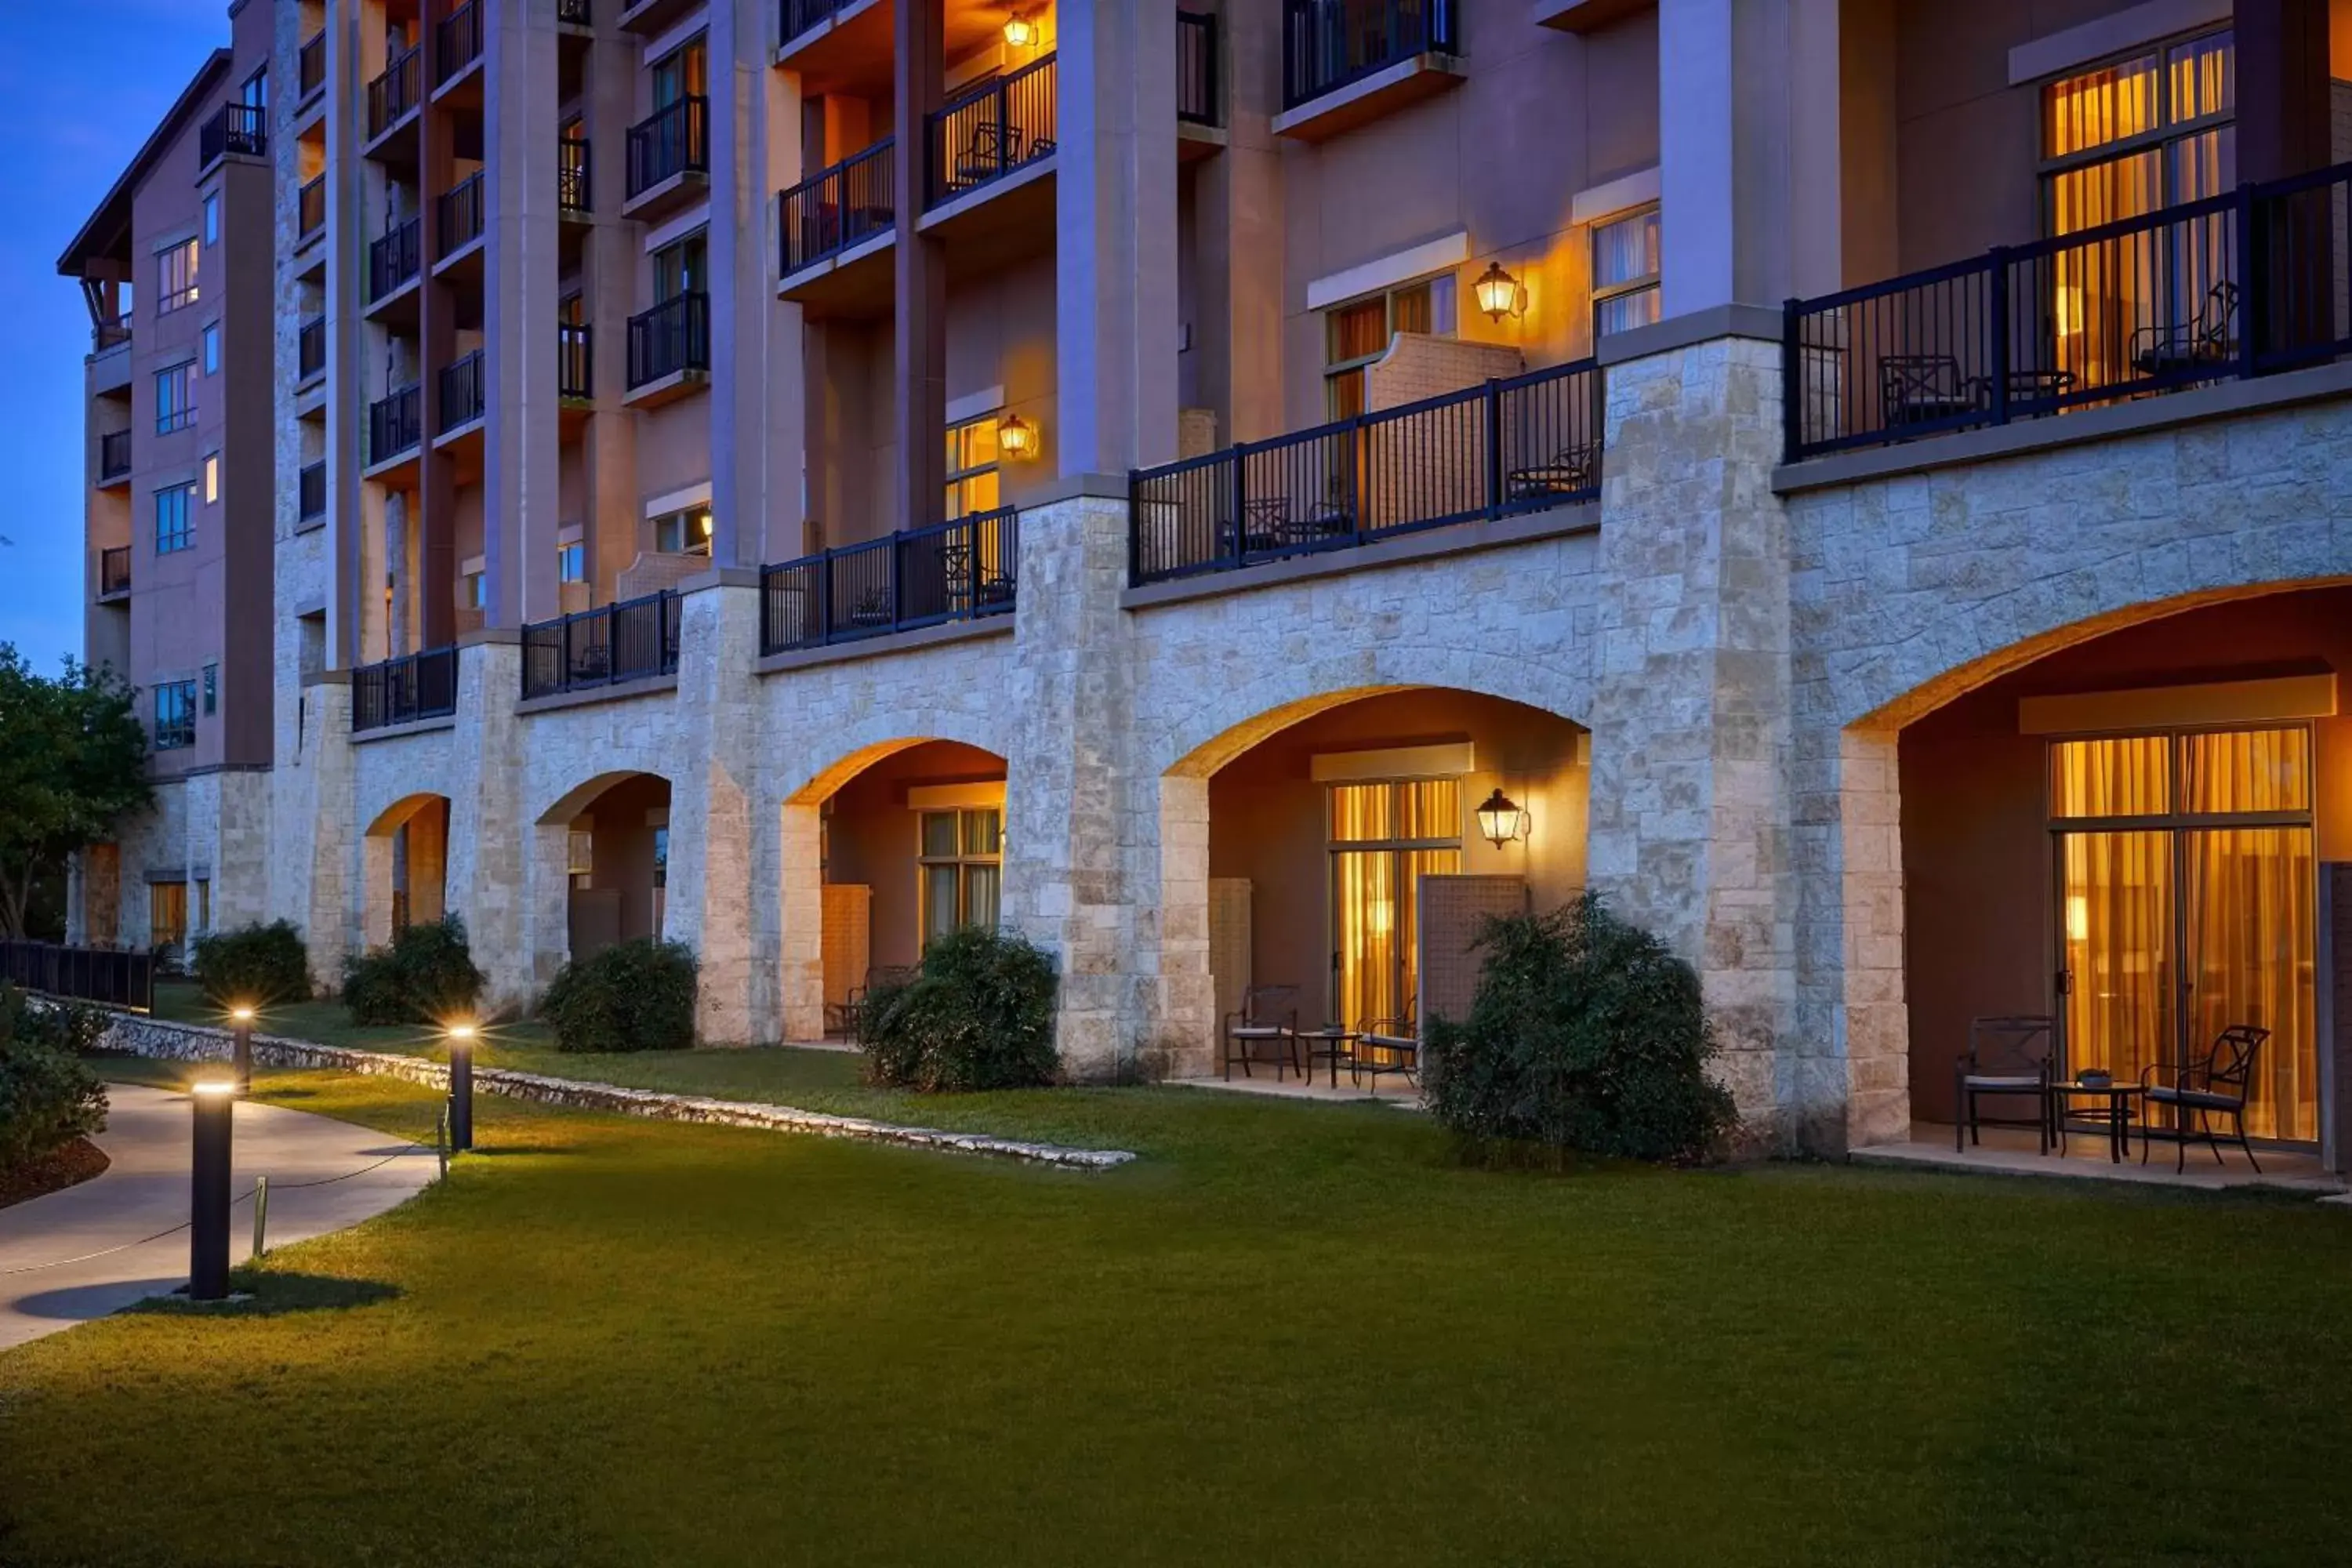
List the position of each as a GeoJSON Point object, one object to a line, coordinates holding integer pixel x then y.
{"type": "Point", "coordinates": [2283, 88]}
{"type": "Point", "coordinates": [610, 258]}
{"type": "Point", "coordinates": [521, 437]}
{"type": "Point", "coordinates": [1238, 206]}
{"type": "Point", "coordinates": [316, 801]}
{"type": "Point", "coordinates": [920, 400]}
{"type": "Point", "coordinates": [484, 870]}
{"type": "Point", "coordinates": [799, 920]}
{"type": "Point", "coordinates": [713, 846]}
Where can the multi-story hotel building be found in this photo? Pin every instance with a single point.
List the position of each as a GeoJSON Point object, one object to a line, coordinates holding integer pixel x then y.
{"type": "Point", "coordinates": [1236, 491]}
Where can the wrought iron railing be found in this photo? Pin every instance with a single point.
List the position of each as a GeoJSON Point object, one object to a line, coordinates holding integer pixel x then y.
{"type": "Point", "coordinates": [673, 336]}
{"type": "Point", "coordinates": [242, 128]}
{"type": "Point", "coordinates": [1327, 44]}
{"type": "Point", "coordinates": [575, 359]}
{"type": "Point", "coordinates": [633, 640]}
{"type": "Point", "coordinates": [114, 454]}
{"type": "Point", "coordinates": [2236, 285]}
{"type": "Point", "coordinates": [402, 690]}
{"type": "Point", "coordinates": [310, 65]}
{"type": "Point", "coordinates": [919, 578]}
{"type": "Point", "coordinates": [461, 214]}
{"type": "Point", "coordinates": [572, 173]}
{"type": "Point", "coordinates": [108, 333]}
{"type": "Point", "coordinates": [310, 207]}
{"type": "Point", "coordinates": [1196, 68]}
{"type": "Point", "coordinates": [310, 491]}
{"type": "Point", "coordinates": [579, 13]}
{"type": "Point", "coordinates": [114, 976]}
{"type": "Point", "coordinates": [799, 15]}
{"type": "Point", "coordinates": [458, 42]}
{"type": "Point", "coordinates": [113, 571]}
{"type": "Point", "coordinates": [462, 391]}
{"type": "Point", "coordinates": [669, 141]}
{"type": "Point", "coordinates": [391, 259]}
{"type": "Point", "coordinates": [1516, 444]}
{"type": "Point", "coordinates": [311, 349]}
{"type": "Point", "coordinates": [396, 423]}
{"type": "Point", "coordinates": [837, 208]}
{"type": "Point", "coordinates": [392, 94]}
{"type": "Point", "coordinates": [985, 135]}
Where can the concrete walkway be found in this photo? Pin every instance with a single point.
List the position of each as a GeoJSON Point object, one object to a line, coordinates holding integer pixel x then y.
{"type": "Point", "coordinates": [49, 1281]}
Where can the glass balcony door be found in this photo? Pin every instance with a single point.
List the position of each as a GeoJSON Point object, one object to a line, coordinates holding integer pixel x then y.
{"type": "Point", "coordinates": [1384, 837]}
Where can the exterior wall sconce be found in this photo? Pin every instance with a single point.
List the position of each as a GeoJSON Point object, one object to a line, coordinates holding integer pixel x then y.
{"type": "Point", "coordinates": [1019, 31]}
{"type": "Point", "coordinates": [1499, 294]}
{"type": "Point", "coordinates": [1500, 820]}
{"type": "Point", "coordinates": [1017, 439]}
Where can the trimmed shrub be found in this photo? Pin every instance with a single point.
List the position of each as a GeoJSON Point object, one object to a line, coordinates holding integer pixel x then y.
{"type": "Point", "coordinates": [259, 966]}
{"type": "Point", "coordinates": [978, 1015]}
{"type": "Point", "coordinates": [634, 995]}
{"type": "Point", "coordinates": [426, 975]}
{"type": "Point", "coordinates": [1585, 1033]}
{"type": "Point", "coordinates": [48, 1096]}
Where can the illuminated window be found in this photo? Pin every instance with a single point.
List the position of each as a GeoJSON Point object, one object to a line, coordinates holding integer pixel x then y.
{"type": "Point", "coordinates": [176, 278]}
{"type": "Point", "coordinates": [1626, 272]}
{"type": "Point", "coordinates": [212, 477]}
{"type": "Point", "coordinates": [961, 864]}
{"type": "Point", "coordinates": [1358, 332]}
{"type": "Point", "coordinates": [685, 531]}
{"type": "Point", "coordinates": [971, 467]}
{"type": "Point", "coordinates": [167, 917]}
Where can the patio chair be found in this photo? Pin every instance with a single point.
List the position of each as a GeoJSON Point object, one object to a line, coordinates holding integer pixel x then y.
{"type": "Point", "coordinates": [2205, 342]}
{"type": "Point", "coordinates": [841, 1017]}
{"type": "Point", "coordinates": [1567, 471]}
{"type": "Point", "coordinates": [1387, 1045]}
{"type": "Point", "coordinates": [2008, 1058]}
{"type": "Point", "coordinates": [1268, 1015]}
{"type": "Point", "coordinates": [1921, 389]}
{"type": "Point", "coordinates": [2218, 1086]}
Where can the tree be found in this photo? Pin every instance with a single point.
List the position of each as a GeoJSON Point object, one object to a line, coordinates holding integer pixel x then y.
{"type": "Point", "coordinates": [73, 760]}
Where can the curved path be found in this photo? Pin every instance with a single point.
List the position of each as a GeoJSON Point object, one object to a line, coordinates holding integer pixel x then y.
{"type": "Point", "coordinates": [49, 1281]}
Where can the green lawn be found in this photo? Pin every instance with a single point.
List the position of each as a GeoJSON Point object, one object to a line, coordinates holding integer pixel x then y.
{"type": "Point", "coordinates": [1291, 1333]}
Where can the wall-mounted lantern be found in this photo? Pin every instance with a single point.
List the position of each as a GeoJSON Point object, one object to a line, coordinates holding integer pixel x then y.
{"type": "Point", "coordinates": [1499, 294]}
{"type": "Point", "coordinates": [1500, 820]}
{"type": "Point", "coordinates": [1019, 31]}
{"type": "Point", "coordinates": [1017, 439]}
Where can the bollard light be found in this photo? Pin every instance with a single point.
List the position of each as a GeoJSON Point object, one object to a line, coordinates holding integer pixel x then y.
{"type": "Point", "coordinates": [461, 1086]}
{"type": "Point", "coordinates": [208, 1198]}
{"type": "Point", "coordinates": [241, 1050]}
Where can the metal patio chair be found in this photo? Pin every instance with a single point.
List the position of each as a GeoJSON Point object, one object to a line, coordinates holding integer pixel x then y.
{"type": "Point", "coordinates": [2206, 341]}
{"type": "Point", "coordinates": [1922, 389]}
{"type": "Point", "coordinates": [1268, 1017]}
{"type": "Point", "coordinates": [2008, 1058]}
{"type": "Point", "coordinates": [2218, 1086]}
{"type": "Point", "coordinates": [1387, 1045]}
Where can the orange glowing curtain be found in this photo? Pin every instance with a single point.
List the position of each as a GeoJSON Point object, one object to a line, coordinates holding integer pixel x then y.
{"type": "Point", "coordinates": [2118, 940]}
{"type": "Point", "coordinates": [1417, 827]}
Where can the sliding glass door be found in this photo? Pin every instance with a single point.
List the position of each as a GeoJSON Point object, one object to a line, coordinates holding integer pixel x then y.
{"type": "Point", "coordinates": [1383, 838]}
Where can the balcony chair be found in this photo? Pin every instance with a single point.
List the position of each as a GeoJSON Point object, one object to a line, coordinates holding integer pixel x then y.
{"type": "Point", "coordinates": [2206, 341]}
{"type": "Point", "coordinates": [1922, 389]}
{"type": "Point", "coordinates": [996, 148]}
{"type": "Point", "coordinates": [841, 1017]}
{"type": "Point", "coordinates": [1571, 469]}
{"type": "Point", "coordinates": [2008, 1058]}
{"type": "Point", "coordinates": [2217, 1086]}
{"type": "Point", "coordinates": [1388, 1045]}
{"type": "Point", "coordinates": [1268, 1017]}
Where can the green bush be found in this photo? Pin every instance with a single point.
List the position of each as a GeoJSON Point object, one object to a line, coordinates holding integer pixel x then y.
{"type": "Point", "coordinates": [633, 996]}
{"type": "Point", "coordinates": [426, 977]}
{"type": "Point", "coordinates": [978, 1015]}
{"type": "Point", "coordinates": [259, 966]}
{"type": "Point", "coordinates": [48, 1096]}
{"type": "Point", "coordinates": [1585, 1033]}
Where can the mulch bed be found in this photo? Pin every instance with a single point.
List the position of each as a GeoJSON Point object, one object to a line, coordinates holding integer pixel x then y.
{"type": "Point", "coordinates": [59, 1168]}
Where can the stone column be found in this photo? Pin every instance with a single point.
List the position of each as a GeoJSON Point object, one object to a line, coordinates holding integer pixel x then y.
{"type": "Point", "coordinates": [714, 792]}
{"type": "Point", "coordinates": [486, 864]}
{"type": "Point", "coordinates": [521, 435]}
{"type": "Point", "coordinates": [1690, 802]}
{"type": "Point", "coordinates": [920, 286]}
{"type": "Point", "coordinates": [799, 920]}
{"type": "Point", "coordinates": [314, 803]}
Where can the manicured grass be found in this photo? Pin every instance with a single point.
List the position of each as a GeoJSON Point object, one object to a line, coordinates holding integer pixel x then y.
{"type": "Point", "coordinates": [1293, 1333]}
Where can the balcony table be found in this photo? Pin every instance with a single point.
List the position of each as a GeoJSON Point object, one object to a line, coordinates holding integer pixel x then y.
{"type": "Point", "coordinates": [1332, 1042]}
{"type": "Point", "coordinates": [2116, 1115]}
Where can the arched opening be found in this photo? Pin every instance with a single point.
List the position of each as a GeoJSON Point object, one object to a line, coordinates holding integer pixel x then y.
{"type": "Point", "coordinates": [407, 866]}
{"type": "Point", "coordinates": [884, 851]}
{"type": "Point", "coordinates": [616, 859]}
{"type": "Point", "coordinates": [2140, 836]}
{"type": "Point", "coordinates": [1347, 863]}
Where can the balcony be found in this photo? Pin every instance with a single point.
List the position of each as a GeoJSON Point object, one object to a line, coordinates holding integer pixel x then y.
{"type": "Point", "coordinates": [2229, 288]}
{"type": "Point", "coordinates": [1525, 444]}
{"type": "Point", "coordinates": [311, 349]}
{"type": "Point", "coordinates": [456, 43]}
{"type": "Point", "coordinates": [310, 492]}
{"type": "Point", "coordinates": [1199, 107]}
{"type": "Point", "coordinates": [575, 361]}
{"type": "Point", "coordinates": [980, 138]}
{"type": "Point", "coordinates": [239, 128]}
{"type": "Point", "coordinates": [311, 68]}
{"type": "Point", "coordinates": [633, 640]}
{"type": "Point", "coordinates": [113, 573]}
{"type": "Point", "coordinates": [464, 391]}
{"type": "Point", "coordinates": [392, 97]}
{"type": "Point", "coordinates": [113, 456]}
{"type": "Point", "coordinates": [833, 213]}
{"type": "Point", "coordinates": [458, 216]}
{"type": "Point", "coordinates": [395, 427]}
{"type": "Point", "coordinates": [575, 13]}
{"type": "Point", "coordinates": [310, 211]}
{"type": "Point", "coordinates": [392, 262]}
{"type": "Point", "coordinates": [404, 689]}
{"type": "Point", "coordinates": [843, 46]}
{"type": "Point", "coordinates": [668, 157]}
{"type": "Point", "coordinates": [646, 17]}
{"type": "Point", "coordinates": [1346, 62]}
{"type": "Point", "coordinates": [111, 333]}
{"type": "Point", "coordinates": [572, 198]}
{"type": "Point", "coordinates": [669, 349]}
{"type": "Point", "coordinates": [919, 577]}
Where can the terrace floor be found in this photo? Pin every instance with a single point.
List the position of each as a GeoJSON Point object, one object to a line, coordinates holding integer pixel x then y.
{"type": "Point", "coordinates": [2015, 1152]}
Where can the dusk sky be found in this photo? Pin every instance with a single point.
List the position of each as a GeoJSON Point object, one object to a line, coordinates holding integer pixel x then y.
{"type": "Point", "coordinates": [84, 84]}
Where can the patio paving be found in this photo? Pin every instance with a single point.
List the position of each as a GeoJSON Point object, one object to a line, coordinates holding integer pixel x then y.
{"type": "Point", "coordinates": [1393, 1090]}
{"type": "Point", "coordinates": [2013, 1152]}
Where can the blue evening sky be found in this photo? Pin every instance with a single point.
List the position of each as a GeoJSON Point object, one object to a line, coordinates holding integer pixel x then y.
{"type": "Point", "coordinates": [84, 84]}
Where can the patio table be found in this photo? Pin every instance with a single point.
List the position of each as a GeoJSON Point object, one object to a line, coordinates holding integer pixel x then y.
{"type": "Point", "coordinates": [2116, 1115]}
{"type": "Point", "coordinates": [1330, 1043]}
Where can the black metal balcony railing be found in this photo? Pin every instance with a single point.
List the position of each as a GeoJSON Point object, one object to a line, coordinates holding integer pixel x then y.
{"type": "Point", "coordinates": [2236, 285]}
{"type": "Point", "coordinates": [392, 260]}
{"type": "Point", "coordinates": [402, 690]}
{"type": "Point", "coordinates": [242, 128]}
{"type": "Point", "coordinates": [1327, 44]}
{"type": "Point", "coordinates": [310, 65]}
{"type": "Point", "coordinates": [837, 208]}
{"type": "Point", "coordinates": [457, 41]}
{"type": "Point", "coordinates": [673, 336]}
{"type": "Point", "coordinates": [669, 141]}
{"type": "Point", "coordinates": [633, 640]}
{"type": "Point", "coordinates": [392, 94]}
{"type": "Point", "coordinates": [310, 207]}
{"type": "Point", "coordinates": [1518, 444]}
{"type": "Point", "coordinates": [571, 174]}
{"type": "Point", "coordinates": [311, 491]}
{"type": "Point", "coordinates": [463, 391]}
{"type": "Point", "coordinates": [106, 334]}
{"type": "Point", "coordinates": [116, 977]}
{"type": "Point", "coordinates": [1196, 68]}
{"type": "Point", "coordinates": [311, 349]}
{"type": "Point", "coordinates": [114, 454]}
{"type": "Point", "coordinates": [981, 138]}
{"type": "Point", "coordinates": [799, 15]}
{"type": "Point", "coordinates": [919, 577]}
{"type": "Point", "coordinates": [460, 214]}
{"type": "Point", "coordinates": [396, 423]}
{"type": "Point", "coordinates": [575, 359]}
{"type": "Point", "coordinates": [579, 13]}
{"type": "Point", "coordinates": [113, 571]}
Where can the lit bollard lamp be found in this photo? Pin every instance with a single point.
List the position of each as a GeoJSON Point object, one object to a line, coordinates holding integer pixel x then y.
{"type": "Point", "coordinates": [461, 1086]}
{"type": "Point", "coordinates": [208, 1206]}
{"type": "Point", "coordinates": [241, 1048]}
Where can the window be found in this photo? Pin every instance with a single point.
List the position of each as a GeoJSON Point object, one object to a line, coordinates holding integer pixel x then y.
{"type": "Point", "coordinates": [167, 917]}
{"type": "Point", "coordinates": [475, 589]}
{"type": "Point", "coordinates": [203, 903]}
{"type": "Point", "coordinates": [971, 467]}
{"type": "Point", "coordinates": [571, 562]}
{"type": "Point", "coordinates": [1358, 332]}
{"type": "Point", "coordinates": [962, 868]}
{"type": "Point", "coordinates": [175, 523]}
{"type": "Point", "coordinates": [175, 397]}
{"type": "Point", "coordinates": [255, 93]}
{"type": "Point", "coordinates": [1626, 272]}
{"type": "Point", "coordinates": [212, 217]}
{"type": "Point", "coordinates": [212, 349]}
{"type": "Point", "coordinates": [1383, 838]}
{"type": "Point", "coordinates": [212, 689]}
{"type": "Point", "coordinates": [682, 267]}
{"type": "Point", "coordinates": [212, 477]}
{"type": "Point", "coordinates": [683, 532]}
{"type": "Point", "coordinates": [679, 74]}
{"type": "Point", "coordinates": [175, 715]}
{"type": "Point", "coordinates": [176, 278]}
